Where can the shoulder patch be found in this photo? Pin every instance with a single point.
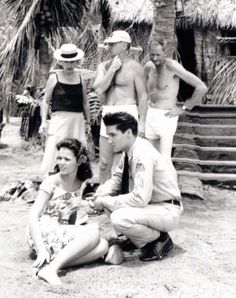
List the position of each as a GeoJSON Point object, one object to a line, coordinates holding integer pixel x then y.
{"type": "Point", "coordinates": [121, 164]}
{"type": "Point", "coordinates": [140, 166]}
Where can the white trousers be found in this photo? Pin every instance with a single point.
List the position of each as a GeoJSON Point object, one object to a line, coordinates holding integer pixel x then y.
{"type": "Point", "coordinates": [143, 225]}
{"type": "Point", "coordinates": [158, 124]}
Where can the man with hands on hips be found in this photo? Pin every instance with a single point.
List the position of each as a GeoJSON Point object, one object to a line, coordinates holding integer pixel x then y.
{"type": "Point", "coordinates": [162, 81]}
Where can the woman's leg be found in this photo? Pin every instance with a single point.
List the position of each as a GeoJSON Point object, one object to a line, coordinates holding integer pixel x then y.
{"type": "Point", "coordinates": [97, 252]}
{"type": "Point", "coordinates": [83, 243]}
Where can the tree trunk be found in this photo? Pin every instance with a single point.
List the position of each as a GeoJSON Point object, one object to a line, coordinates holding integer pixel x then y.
{"type": "Point", "coordinates": [164, 24]}
{"type": "Point", "coordinates": [44, 61]}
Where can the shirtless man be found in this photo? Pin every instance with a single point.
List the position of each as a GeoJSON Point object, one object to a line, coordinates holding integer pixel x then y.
{"type": "Point", "coordinates": [121, 81]}
{"type": "Point", "coordinates": [162, 80]}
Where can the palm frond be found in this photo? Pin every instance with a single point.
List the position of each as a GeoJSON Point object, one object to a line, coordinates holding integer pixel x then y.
{"type": "Point", "coordinates": [34, 19]}
{"type": "Point", "coordinates": [16, 51]}
{"type": "Point", "coordinates": [51, 14]}
{"type": "Point", "coordinates": [223, 88]}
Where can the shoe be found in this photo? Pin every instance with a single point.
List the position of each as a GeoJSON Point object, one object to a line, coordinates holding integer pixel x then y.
{"type": "Point", "coordinates": [127, 245]}
{"type": "Point", "coordinates": [157, 249]}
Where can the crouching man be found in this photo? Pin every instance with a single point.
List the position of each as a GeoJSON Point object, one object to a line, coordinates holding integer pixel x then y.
{"type": "Point", "coordinates": [142, 196]}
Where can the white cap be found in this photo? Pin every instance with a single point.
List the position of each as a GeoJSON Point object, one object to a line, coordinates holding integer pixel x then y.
{"type": "Point", "coordinates": [118, 36]}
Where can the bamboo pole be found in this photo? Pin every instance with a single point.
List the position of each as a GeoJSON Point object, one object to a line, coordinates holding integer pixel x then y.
{"type": "Point", "coordinates": [208, 176]}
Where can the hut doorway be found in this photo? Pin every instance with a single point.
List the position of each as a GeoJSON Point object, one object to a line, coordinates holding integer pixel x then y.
{"type": "Point", "coordinates": [186, 52]}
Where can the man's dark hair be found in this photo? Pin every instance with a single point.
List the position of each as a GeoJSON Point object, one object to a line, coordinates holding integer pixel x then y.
{"type": "Point", "coordinates": [122, 121]}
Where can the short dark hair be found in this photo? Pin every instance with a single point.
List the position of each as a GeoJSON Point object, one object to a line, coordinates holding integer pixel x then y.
{"type": "Point", "coordinates": [122, 120]}
{"type": "Point", "coordinates": [84, 170]}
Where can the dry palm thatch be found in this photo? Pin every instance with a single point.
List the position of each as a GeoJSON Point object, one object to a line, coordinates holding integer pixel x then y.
{"type": "Point", "coordinates": [34, 20]}
{"type": "Point", "coordinates": [223, 87]}
{"type": "Point", "coordinates": [137, 11]}
{"type": "Point", "coordinates": [220, 13]}
{"type": "Point", "coordinates": [217, 14]}
{"type": "Point", "coordinates": [213, 13]}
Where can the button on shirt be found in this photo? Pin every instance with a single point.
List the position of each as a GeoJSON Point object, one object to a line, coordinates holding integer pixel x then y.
{"type": "Point", "coordinates": [151, 179]}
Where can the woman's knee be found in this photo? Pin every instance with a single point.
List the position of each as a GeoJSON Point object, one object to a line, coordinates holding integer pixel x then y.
{"type": "Point", "coordinates": [103, 246]}
{"type": "Point", "coordinates": [91, 234]}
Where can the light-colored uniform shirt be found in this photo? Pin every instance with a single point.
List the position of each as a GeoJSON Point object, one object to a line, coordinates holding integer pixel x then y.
{"type": "Point", "coordinates": [151, 179]}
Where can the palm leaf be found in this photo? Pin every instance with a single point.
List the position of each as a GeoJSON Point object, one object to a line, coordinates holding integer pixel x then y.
{"type": "Point", "coordinates": [223, 87]}
{"type": "Point", "coordinates": [34, 19]}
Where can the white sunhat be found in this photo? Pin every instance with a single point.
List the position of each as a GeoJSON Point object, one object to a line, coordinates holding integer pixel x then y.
{"type": "Point", "coordinates": [68, 52]}
{"type": "Point", "coordinates": [118, 36]}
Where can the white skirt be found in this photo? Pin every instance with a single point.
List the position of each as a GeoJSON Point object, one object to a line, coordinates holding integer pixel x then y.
{"type": "Point", "coordinates": [62, 125]}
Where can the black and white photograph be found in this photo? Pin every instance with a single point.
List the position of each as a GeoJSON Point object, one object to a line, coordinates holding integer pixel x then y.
{"type": "Point", "coordinates": [118, 148]}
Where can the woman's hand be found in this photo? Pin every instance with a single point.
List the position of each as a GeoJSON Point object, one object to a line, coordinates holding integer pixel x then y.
{"type": "Point", "coordinates": [43, 128]}
{"type": "Point", "coordinates": [98, 205]}
{"type": "Point", "coordinates": [95, 202]}
{"type": "Point", "coordinates": [141, 131]}
{"type": "Point", "coordinates": [88, 128]}
{"type": "Point", "coordinates": [42, 257]}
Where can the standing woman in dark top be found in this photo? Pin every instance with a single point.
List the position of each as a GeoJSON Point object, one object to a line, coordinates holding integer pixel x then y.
{"type": "Point", "coordinates": [65, 94]}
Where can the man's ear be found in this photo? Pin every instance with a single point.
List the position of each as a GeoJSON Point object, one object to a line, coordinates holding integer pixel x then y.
{"type": "Point", "coordinates": [129, 132]}
{"type": "Point", "coordinates": [124, 45]}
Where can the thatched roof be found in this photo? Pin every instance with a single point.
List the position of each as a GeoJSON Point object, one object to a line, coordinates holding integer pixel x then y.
{"type": "Point", "coordinates": [219, 13]}
{"type": "Point", "coordinates": [137, 11]}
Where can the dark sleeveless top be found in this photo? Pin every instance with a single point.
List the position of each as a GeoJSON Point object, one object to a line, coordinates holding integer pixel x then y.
{"type": "Point", "coordinates": [67, 98]}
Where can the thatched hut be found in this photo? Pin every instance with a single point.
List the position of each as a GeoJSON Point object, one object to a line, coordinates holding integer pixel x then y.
{"type": "Point", "coordinates": [206, 33]}
{"type": "Point", "coordinates": [213, 24]}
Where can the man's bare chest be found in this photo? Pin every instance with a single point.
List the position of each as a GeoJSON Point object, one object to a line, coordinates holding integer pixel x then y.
{"type": "Point", "coordinates": [159, 80]}
{"type": "Point", "coordinates": [123, 77]}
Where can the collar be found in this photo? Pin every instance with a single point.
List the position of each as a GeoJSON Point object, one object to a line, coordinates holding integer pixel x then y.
{"type": "Point", "coordinates": [131, 150]}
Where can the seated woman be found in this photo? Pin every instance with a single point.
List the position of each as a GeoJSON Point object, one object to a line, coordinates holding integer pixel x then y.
{"type": "Point", "coordinates": [55, 241]}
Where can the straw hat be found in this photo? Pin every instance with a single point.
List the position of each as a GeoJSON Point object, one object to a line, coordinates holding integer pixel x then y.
{"type": "Point", "coordinates": [68, 52]}
{"type": "Point", "coordinates": [117, 36]}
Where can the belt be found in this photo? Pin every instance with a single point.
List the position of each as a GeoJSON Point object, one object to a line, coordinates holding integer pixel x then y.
{"type": "Point", "coordinates": [175, 202]}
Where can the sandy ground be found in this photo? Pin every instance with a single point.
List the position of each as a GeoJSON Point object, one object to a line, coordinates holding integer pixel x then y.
{"type": "Point", "coordinates": [202, 264]}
